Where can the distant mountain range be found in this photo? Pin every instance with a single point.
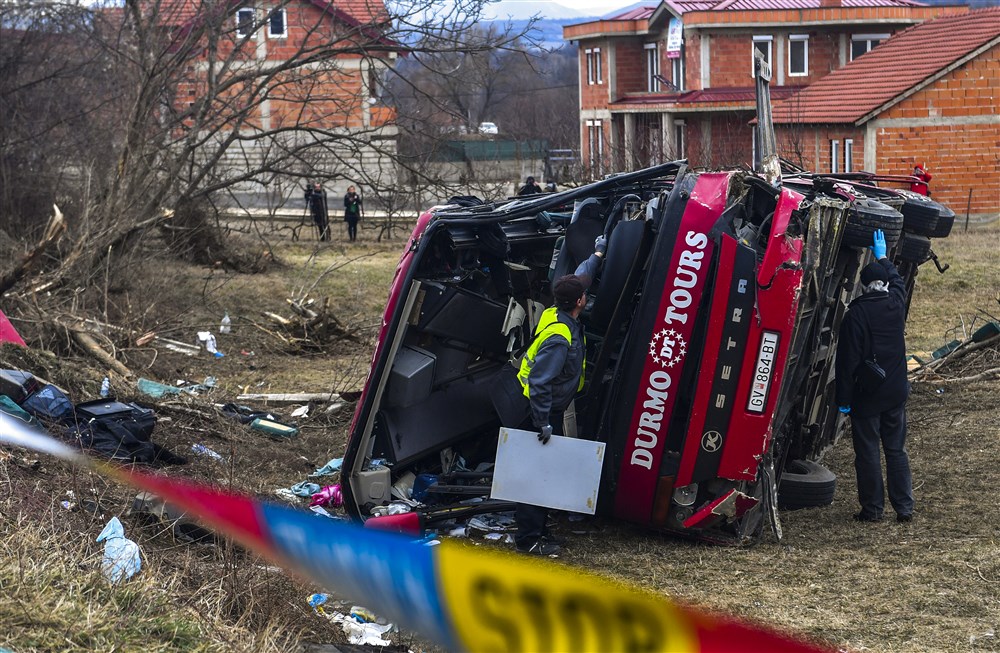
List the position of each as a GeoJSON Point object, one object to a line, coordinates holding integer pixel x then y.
{"type": "Point", "coordinates": [521, 10]}
{"type": "Point", "coordinates": [551, 17]}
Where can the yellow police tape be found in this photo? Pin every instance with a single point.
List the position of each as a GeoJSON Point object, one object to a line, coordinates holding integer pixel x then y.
{"type": "Point", "coordinates": [502, 603]}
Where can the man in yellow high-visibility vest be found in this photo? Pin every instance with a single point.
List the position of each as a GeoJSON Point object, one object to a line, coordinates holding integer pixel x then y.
{"type": "Point", "coordinates": [550, 375]}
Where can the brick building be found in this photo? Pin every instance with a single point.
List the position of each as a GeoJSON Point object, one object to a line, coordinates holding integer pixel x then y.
{"type": "Point", "coordinates": [675, 80]}
{"type": "Point", "coordinates": [340, 55]}
{"type": "Point", "coordinates": [929, 95]}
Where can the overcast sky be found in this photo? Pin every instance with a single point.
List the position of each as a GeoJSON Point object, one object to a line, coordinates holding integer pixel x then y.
{"type": "Point", "coordinates": [584, 7]}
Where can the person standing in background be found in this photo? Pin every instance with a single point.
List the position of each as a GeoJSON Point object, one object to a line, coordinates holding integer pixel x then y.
{"type": "Point", "coordinates": [316, 201]}
{"type": "Point", "coordinates": [924, 177]}
{"type": "Point", "coordinates": [530, 187]}
{"type": "Point", "coordinates": [352, 212]}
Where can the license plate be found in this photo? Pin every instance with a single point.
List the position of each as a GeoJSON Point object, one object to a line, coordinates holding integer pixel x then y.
{"type": "Point", "coordinates": [761, 382]}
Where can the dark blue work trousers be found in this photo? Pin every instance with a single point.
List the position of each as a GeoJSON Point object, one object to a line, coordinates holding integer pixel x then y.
{"type": "Point", "coordinates": [531, 520]}
{"type": "Point", "coordinates": [889, 429]}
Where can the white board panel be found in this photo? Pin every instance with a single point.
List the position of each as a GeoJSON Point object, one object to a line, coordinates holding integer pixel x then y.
{"type": "Point", "coordinates": [564, 474]}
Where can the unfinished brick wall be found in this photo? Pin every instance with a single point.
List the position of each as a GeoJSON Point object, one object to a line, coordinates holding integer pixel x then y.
{"type": "Point", "coordinates": [692, 60]}
{"type": "Point", "coordinates": [811, 146]}
{"type": "Point", "coordinates": [630, 67]}
{"type": "Point", "coordinates": [730, 59]}
{"type": "Point", "coordinates": [721, 139]}
{"type": "Point", "coordinates": [952, 127]}
{"type": "Point", "coordinates": [329, 94]}
{"type": "Point", "coordinates": [593, 96]}
{"type": "Point", "coordinates": [823, 51]}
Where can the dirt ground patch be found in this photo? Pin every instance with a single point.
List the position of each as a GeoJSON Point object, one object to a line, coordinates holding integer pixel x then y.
{"type": "Point", "coordinates": [931, 585]}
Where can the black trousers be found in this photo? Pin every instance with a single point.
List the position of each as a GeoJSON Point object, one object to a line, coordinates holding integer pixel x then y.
{"type": "Point", "coordinates": [887, 428]}
{"type": "Point", "coordinates": [322, 225]}
{"type": "Point", "coordinates": [531, 519]}
{"type": "Point", "coordinates": [352, 227]}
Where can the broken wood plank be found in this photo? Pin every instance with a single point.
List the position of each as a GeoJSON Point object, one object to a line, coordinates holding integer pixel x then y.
{"type": "Point", "coordinates": [283, 321]}
{"type": "Point", "coordinates": [291, 397]}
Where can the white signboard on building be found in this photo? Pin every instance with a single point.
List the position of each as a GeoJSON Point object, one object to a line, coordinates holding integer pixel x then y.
{"type": "Point", "coordinates": [675, 38]}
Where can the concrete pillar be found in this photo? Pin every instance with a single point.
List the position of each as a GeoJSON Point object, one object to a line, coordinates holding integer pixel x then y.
{"type": "Point", "coordinates": [628, 129]}
{"type": "Point", "coordinates": [779, 58]}
{"type": "Point", "coordinates": [871, 145]}
{"type": "Point", "coordinates": [706, 62]}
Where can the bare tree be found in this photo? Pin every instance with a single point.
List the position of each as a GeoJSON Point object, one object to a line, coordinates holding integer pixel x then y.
{"type": "Point", "coordinates": [161, 110]}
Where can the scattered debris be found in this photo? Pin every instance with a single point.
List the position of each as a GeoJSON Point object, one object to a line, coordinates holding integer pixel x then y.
{"type": "Point", "coordinates": [273, 427]}
{"type": "Point", "coordinates": [956, 364]}
{"type": "Point", "coordinates": [285, 494]}
{"type": "Point", "coordinates": [202, 450]}
{"type": "Point", "coordinates": [290, 398]}
{"type": "Point", "coordinates": [305, 489]}
{"type": "Point", "coordinates": [328, 496]}
{"type": "Point", "coordinates": [331, 467]}
{"type": "Point", "coordinates": [312, 323]}
{"type": "Point", "coordinates": [207, 340]}
{"type": "Point", "coordinates": [360, 625]}
{"type": "Point", "coordinates": [121, 555]}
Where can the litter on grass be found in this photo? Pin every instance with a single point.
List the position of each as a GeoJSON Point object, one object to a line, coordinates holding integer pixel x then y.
{"type": "Point", "coordinates": [121, 555]}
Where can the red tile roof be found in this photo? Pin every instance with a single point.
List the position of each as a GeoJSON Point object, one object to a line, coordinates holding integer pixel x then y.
{"type": "Point", "coordinates": [354, 12]}
{"type": "Point", "coordinates": [736, 94]}
{"type": "Point", "coordinates": [905, 60]}
{"type": "Point", "coordinates": [683, 6]}
{"type": "Point", "coordinates": [638, 13]}
{"type": "Point", "coordinates": [738, 97]}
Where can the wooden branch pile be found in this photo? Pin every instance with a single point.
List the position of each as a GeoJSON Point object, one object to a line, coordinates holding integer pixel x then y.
{"type": "Point", "coordinates": [312, 322]}
{"type": "Point", "coordinates": [943, 370]}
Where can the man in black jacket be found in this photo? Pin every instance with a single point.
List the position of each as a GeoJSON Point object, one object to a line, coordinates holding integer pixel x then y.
{"type": "Point", "coordinates": [530, 187]}
{"type": "Point", "coordinates": [316, 202]}
{"type": "Point", "coordinates": [872, 387]}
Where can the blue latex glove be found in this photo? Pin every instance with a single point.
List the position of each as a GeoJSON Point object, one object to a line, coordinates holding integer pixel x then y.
{"type": "Point", "coordinates": [844, 409]}
{"type": "Point", "coordinates": [601, 245]}
{"type": "Point", "coordinates": [545, 434]}
{"type": "Point", "coordinates": [878, 248]}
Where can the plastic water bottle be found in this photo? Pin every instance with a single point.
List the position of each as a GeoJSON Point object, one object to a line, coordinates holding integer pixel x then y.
{"type": "Point", "coordinates": [226, 322]}
{"type": "Point", "coordinates": [105, 387]}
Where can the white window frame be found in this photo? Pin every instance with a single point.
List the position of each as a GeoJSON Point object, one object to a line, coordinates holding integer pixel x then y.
{"type": "Point", "coordinates": [677, 71]}
{"type": "Point", "coordinates": [680, 139]}
{"type": "Point", "coordinates": [589, 60]}
{"type": "Point", "coordinates": [652, 52]}
{"type": "Point", "coordinates": [848, 155]}
{"type": "Point", "coordinates": [804, 40]}
{"type": "Point", "coordinates": [868, 38]}
{"type": "Point", "coordinates": [595, 144]}
{"type": "Point", "coordinates": [240, 32]}
{"type": "Point", "coordinates": [599, 75]}
{"type": "Point", "coordinates": [284, 23]}
{"type": "Point", "coordinates": [762, 38]}
{"type": "Point", "coordinates": [834, 157]}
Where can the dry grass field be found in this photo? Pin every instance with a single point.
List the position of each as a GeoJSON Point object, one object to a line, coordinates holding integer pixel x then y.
{"type": "Point", "coordinates": [928, 586]}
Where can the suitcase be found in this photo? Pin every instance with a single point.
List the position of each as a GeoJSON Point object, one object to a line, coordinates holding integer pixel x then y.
{"type": "Point", "coordinates": [18, 385]}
